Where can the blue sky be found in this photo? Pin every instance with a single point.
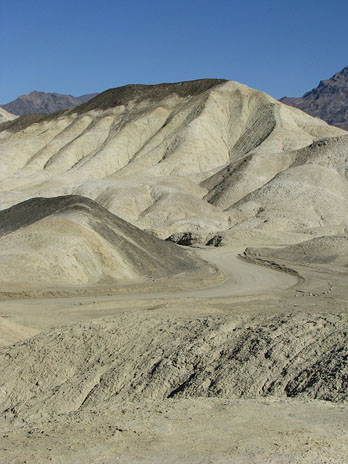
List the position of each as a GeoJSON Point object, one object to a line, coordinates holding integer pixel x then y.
{"type": "Point", "coordinates": [76, 47]}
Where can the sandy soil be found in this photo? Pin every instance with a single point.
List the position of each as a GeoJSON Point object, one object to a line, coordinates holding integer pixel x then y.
{"type": "Point", "coordinates": [187, 431]}
{"type": "Point", "coordinates": [191, 427]}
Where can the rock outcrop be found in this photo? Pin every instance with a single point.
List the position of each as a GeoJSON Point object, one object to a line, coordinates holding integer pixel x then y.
{"type": "Point", "coordinates": [328, 101]}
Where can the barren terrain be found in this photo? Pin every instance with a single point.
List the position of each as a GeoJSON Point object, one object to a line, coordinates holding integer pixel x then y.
{"type": "Point", "coordinates": [257, 374]}
{"type": "Point", "coordinates": [118, 346]}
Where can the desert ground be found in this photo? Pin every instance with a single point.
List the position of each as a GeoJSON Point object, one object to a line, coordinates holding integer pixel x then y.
{"type": "Point", "coordinates": [120, 346]}
{"type": "Point", "coordinates": [282, 400]}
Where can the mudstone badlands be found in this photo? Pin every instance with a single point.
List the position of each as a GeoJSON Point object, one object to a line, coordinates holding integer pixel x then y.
{"type": "Point", "coordinates": [173, 269]}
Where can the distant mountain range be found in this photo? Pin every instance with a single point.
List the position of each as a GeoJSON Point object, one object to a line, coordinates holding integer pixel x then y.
{"type": "Point", "coordinates": [42, 102]}
{"type": "Point", "coordinates": [328, 101]}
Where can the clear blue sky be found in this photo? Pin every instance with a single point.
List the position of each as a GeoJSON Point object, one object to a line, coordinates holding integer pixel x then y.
{"type": "Point", "coordinates": [283, 47]}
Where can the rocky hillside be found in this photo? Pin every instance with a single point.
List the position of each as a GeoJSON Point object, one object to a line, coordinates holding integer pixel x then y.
{"type": "Point", "coordinates": [328, 101]}
{"type": "Point", "coordinates": [42, 102]}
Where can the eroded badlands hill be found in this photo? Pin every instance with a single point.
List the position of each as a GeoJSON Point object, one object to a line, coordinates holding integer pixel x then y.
{"type": "Point", "coordinates": [320, 250]}
{"type": "Point", "coordinates": [194, 157]}
{"type": "Point", "coordinates": [70, 242]}
{"type": "Point", "coordinates": [201, 156]}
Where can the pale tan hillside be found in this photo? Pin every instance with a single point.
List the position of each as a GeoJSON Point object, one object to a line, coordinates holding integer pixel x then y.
{"type": "Point", "coordinates": [65, 243]}
{"type": "Point", "coordinates": [300, 198]}
{"type": "Point", "coordinates": [331, 250]}
{"type": "Point", "coordinates": [244, 176]}
{"type": "Point", "coordinates": [170, 158]}
{"type": "Point", "coordinates": [5, 116]}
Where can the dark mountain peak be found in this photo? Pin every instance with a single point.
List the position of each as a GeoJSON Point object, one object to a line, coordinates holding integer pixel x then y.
{"type": "Point", "coordinates": [328, 101]}
{"type": "Point", "coordinates": [340, 78]}
{"type": "Point", "coordinates": [343, 73]}
{"type": "Point", "coordinates": [37, 102]}
{"type": "Point", "coordinates": [37, 92]}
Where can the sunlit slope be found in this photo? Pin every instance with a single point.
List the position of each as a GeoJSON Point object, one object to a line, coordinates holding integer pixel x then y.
{"type": "Point", "coordinates": [5, 116]}
{"type": "Point", "coordinates": [72, 241]}
{"type": "Point", "coordinates": [312, 192]}
{"type": "Point", "coordinates": [150, 356]}
{"type": "Point", "coordinates": [172, 157]}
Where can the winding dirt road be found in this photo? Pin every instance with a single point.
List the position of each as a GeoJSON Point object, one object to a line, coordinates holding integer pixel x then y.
{"type": "Point", "coordinates": [20, 316]}
{"type": "Point", "coordinates": [242, 279]}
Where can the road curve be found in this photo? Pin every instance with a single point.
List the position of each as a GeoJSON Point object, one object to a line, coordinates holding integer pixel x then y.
{"type": "Point", "coordinates": [242, 279]}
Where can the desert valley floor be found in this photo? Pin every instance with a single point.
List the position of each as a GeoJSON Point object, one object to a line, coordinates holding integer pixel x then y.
{"type": "Point", "coordinates": [173, 281]}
